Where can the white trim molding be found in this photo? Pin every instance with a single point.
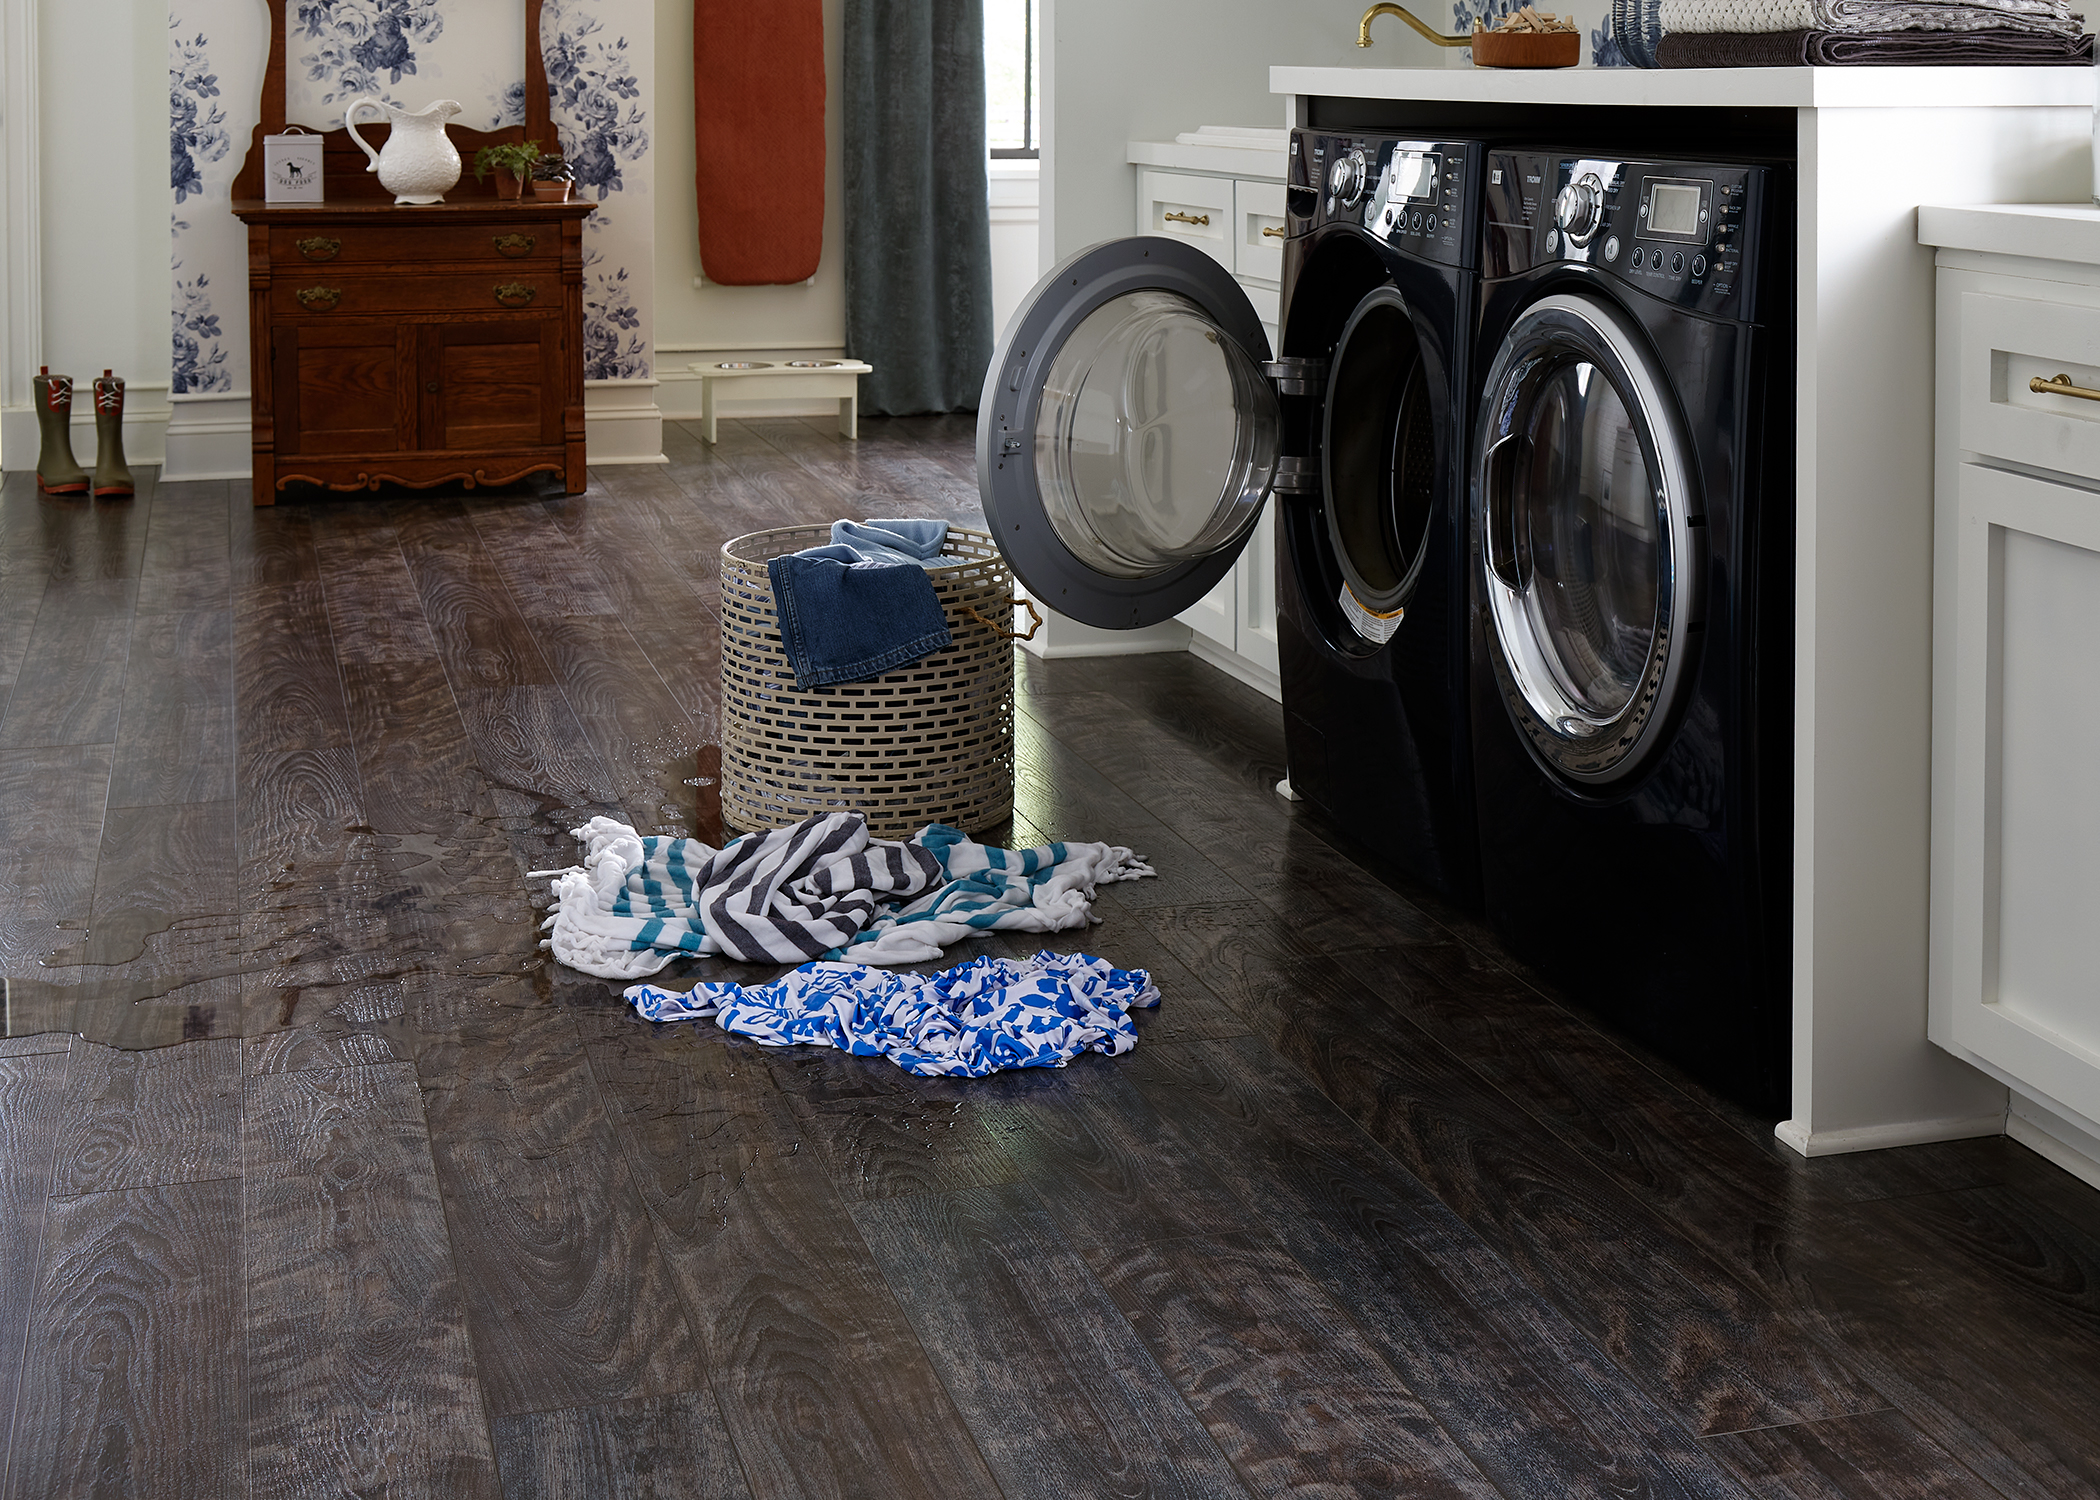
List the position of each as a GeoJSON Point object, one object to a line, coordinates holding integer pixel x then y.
{"type": "Point", "coordinates": [1880, 1137]}
{"type": "Point", "coordinates": [2070, 1144]}
{"type": "Point", "coordinates": [209, 437]}
{"type": "Point", "coordinates": [21, 265]}
{"type": "Point", "coordinates": [622, 423]}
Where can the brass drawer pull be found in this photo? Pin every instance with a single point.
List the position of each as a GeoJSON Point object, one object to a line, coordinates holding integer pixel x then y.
{"type": "Point", "coordinates": [322, 297]}
{"type": "Point", "coordinates": [2061, 386]}
{"type": "Point", "coordinates": [1188, 218]}
{"type": "Point", "coordinates": [1274, 234]}
{"type": "Point", "coordinates": [516, 293]}
{"type": "Point", "coordinates": [514, 245]}
{"type": "Point", "coordinates": [319, 247]}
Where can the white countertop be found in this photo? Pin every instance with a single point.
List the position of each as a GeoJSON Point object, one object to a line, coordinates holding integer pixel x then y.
{"type": "Point", "coordinates": [1790, 88]}
{"type": "Point", "coordinates": [2045, 231]}
{"type": "Point", "coordinates": [1226, 161]}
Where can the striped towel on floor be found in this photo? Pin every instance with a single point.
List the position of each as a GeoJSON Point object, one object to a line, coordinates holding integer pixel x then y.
{"type": "Point", "coordinates": [982, 1017]}
{"type": "Point", "coordinates": [822, 888]}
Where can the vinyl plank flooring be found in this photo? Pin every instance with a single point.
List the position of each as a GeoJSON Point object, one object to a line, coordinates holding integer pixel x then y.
{"type": "Point", "coordinates": [414, 764]}
{"type": "Point", "coordinates": [642, 736]}
{"type": "Point", "coordinates": [188, 558]}
{"type": "Point", "coordinates": [361, 1377]}
{"type": "Point", "coordinates": [1879, 1456]}
{"type": "Point", "coordinates": [51, 812]}
{"type": "Point", "coordinates": [165, 890]}
{"type": "Point", "coordinates": [32, 1096]}
{"type": "Point", "coordinates": [1279, 1375]}
{"type": "Point", "coordinates": [822, 1384]}
{"type": "Point", "coordinates": [884, 1132]}
{"type": "Point", "coordinates": [134, 1386]}
{"type": "Point", "coordinates": [569, 1302]}
{"type": "Point", "coordinates": [146, 1119]}
{"type": "Point", "coordinates": [633, 1450]}
{"type": "Point", "coordinates": [543, 583]}
{"type": "Point", "coordinates": [175, 724]}
{"type": "Point", "coordinates": [534, 754]}
{"type": "Point", "coordinates": [1539, 1407]}
{"type": "Point", "coordinates": [21, 596]}
{"type": "Point", "coordinates": [106, 538]}
{"type": "Point", "coordinates": [481, 638]}
{"type": "Point", "coordinates": [70, 688]}
{"type": "Point", "coordinates": [374, 610]}
{"type": "Point", "coordinates": [288, 690]}
{"type": "Point", "coordinates": [269, 545]}
{"type": "Point", "coordinates": [1056, 1387]}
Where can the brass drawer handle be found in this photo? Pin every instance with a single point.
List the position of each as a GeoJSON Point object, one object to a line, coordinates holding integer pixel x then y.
{"type": "Point", "coordinates": [319, 247]}
{"type": "Point", "coordinates": [514, 245]}
{"type": "Point", "coordinates": [322, 297]}
{"type": "Point", "coordinates": [1188, 218]}
{"type": "Point", "coordinates": [2061, 386]}
{"type": "Point", "coordinates": [1274, 234]}
{"type": "Point", "coordinates": [516, 293]}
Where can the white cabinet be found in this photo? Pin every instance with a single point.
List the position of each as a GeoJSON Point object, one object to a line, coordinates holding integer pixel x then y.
{"type": "Point", "coordinates": [2015, 976]}
{"type": "Point", "coordinates": [1236, 217]}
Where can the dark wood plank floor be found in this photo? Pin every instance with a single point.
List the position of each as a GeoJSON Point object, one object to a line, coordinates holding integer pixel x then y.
{"type": "Point", "coordinates": [317, 1179]}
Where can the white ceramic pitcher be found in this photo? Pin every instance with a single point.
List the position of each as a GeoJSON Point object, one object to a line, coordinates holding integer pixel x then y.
{"type": "Point", "coordinates": [419, 164]}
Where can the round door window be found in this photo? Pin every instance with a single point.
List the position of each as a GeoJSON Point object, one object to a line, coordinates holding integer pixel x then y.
{"type": "Point", "coordinates": [1381, 456]}
{"type": "Point", "coordinates": [1590, 558]}
{"type": "Point", "coordinates": [1156, 438]}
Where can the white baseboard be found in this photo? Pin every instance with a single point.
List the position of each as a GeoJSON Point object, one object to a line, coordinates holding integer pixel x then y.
{"type": "Point", "coordinates": [622, 424]}
{"type": "Point", "coordinates": [209, 437]}
{"type": "Point", "coordinates": [1881, 1137]}
{"type": "Point", "coordinates": [145, 429]}
{"type": "Point", "coordinates": [1061, 637]}
{"type": "Point", "coordinates": [2046, 1133]}
{"type": "Point", "coordinates": [1234, 665]}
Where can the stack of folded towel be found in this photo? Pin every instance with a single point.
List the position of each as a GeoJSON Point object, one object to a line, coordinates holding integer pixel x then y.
{"type": "Point", "coordinates": [1822, 33]}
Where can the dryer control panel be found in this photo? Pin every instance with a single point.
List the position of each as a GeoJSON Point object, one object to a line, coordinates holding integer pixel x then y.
{"type": "Point", "coordinates": [1682, 231]}
{"type": "Point", "coordinates": [1417, 195]}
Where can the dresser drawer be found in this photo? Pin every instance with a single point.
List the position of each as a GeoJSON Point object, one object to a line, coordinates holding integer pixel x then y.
{"type": "Point", "coordinates": [300, 293]}
{"type": "Point", "coordinates": [1195, 209]}
{"type": "Point", "coordinates": [2007, 343]}
{"type": "Point", "coordinates": [293, 246]}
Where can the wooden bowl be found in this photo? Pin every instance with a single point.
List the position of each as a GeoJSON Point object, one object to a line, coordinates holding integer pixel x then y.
{"type": "Point", "coordinates": [1527, 49]}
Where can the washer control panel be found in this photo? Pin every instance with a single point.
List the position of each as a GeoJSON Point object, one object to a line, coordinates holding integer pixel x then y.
{"type": "Point", "coordinates": [1416, 195]}
{"type": "Point", "coordinates": [1682, 231]}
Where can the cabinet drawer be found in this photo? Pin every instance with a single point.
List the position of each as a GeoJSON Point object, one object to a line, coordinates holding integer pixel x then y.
{"type": "Point", "coordinates": [295, 245]}
{"type": "Point", "coordinates": [2008, 342]}
{"type": "Point", "coordinates": [1258, 230]}
{"type": "Point", "coordinates": [315, 294]}
{"type": "Point", "coordinates": [1196, 209]}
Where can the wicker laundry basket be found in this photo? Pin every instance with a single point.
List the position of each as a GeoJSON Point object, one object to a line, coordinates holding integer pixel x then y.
{"type": "Point", "coordinates": [929, 743]}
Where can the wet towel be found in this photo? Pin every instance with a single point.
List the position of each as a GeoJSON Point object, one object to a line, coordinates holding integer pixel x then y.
{"type": "Point", "coordinates": [820, 889]}
{"type": "Point", "coordinates": [917, 542]}
{"type": "Point", "coordinates": [1904, 49]}
{"type": "Point", "coordinates": [2054, 17]}
{"type": "Point", "coordinates": [843, 619]}
{"type": "Point", "coordinates": [982, 1017]}
{"type": "Point", "coordinates": [636, 903]}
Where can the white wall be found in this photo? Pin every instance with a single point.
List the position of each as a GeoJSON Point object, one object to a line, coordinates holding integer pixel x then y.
{"type": "Point", "coordinates": [1116, 71]}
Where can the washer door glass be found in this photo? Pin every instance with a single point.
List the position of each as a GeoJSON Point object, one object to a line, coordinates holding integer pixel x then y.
{"type": "Point", "coordinates": [1128, 437]}
{"type": "Point", "coordinates": [1383, 409]}
{"type": "Point", "coordinates": [1590, 550]}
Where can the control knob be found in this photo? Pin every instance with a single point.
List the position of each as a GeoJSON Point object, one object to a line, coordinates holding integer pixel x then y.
{"type": "Point", "coordinates": [1345, 180]}
{"type": "Point", "coordinates": [1579, 208]}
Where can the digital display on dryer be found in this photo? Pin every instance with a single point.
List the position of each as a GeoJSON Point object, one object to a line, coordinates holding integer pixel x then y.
{"type": "Point", "coordinates": [1412, 174]}
{"type": "Point", "coordinates": [1677, 210]}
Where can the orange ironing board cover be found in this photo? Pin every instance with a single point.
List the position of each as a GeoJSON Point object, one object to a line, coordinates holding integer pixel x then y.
{"type": "Point", "coordinates": [758, 85]}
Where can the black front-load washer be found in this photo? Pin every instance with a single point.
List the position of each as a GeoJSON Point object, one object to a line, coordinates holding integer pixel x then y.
{"type": "Point", "coordinates": [1631, 510]}
{"type": "Point", "coordinates": [1134, 422]}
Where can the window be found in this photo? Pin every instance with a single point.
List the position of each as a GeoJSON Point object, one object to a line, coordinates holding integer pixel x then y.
{"type": "Point", "coordinates": [1010, 74]}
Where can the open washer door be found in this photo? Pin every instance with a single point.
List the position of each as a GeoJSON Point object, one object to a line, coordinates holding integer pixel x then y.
{"type": "Point", "coordinates": [1128, 435]}
{"type": "Point", "coordinates": [1592, 539]}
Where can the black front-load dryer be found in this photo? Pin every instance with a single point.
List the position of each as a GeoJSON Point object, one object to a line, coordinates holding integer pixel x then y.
{"type": "Point", "coordinates": [1631, 514]}
{"type": "Point", "coordinates": [1134, 422]}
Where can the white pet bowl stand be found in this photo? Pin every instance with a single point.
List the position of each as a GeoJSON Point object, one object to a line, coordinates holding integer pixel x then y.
{"type": "Point", "coordinates": [779, 381]}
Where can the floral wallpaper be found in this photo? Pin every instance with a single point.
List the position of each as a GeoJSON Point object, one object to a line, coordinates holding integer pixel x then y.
{"type": "Point", "coordinates": [408, 53]}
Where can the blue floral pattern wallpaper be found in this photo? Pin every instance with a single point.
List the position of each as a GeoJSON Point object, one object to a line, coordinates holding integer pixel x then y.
{"type": "Point", "coordinates": [409, 53]}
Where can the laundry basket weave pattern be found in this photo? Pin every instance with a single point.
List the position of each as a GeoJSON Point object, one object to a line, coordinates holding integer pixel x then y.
{"type": "Point", "coordinates": [929, 743]}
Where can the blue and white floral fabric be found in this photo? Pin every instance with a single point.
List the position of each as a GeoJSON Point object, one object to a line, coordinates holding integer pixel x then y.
{"type": "Point", "coordinates": [981, 1017]}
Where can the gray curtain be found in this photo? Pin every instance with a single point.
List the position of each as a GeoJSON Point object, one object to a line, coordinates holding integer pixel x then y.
{"type": "Point", "coordinates": [918, 232]}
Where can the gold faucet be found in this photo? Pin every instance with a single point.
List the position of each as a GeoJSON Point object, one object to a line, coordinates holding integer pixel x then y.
{"type": "Point", "coordinates": [1363, 32]}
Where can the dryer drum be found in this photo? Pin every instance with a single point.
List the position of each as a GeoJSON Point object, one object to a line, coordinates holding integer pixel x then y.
{"type": "Point", "coordinates": [1589, 551]}
{"type": "Point", "coordinates": [1379, 453]}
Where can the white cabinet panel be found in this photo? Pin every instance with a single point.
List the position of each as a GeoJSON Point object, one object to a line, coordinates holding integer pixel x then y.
{"type": "Point", "coordinates": [1258, 230]}
{"type": "Point", "coordinates": [2006, 344]}
{"type": "Point", "coordinates": [1195, 209]}
{"type": "Point", "coordinates": [1255, 579]}
{"type": "Point", "coordinates": [2016, 877]}
{"type": "Point", "coordinates": [1216, 615]}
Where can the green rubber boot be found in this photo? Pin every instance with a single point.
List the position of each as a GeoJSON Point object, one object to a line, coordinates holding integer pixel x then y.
{"type": "Point", "coordinates": [112, 477]}
{"type": "Point", "coordinates": [57, 471]}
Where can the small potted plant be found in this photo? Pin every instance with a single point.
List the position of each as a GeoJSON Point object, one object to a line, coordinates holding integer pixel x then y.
{"type": "Point", "coordinates": [512, 163]}
{"type": "Point", "coordinates": [552, 180]}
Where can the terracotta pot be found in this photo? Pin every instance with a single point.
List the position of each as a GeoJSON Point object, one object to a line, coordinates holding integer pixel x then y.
{"type": "Point", "coordinates": [509, 184]}
{"type": "Point", "coordinates": [551, 192]}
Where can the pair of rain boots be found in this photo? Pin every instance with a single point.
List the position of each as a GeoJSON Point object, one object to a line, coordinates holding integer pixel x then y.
{"type": "Point", "coordinates": [57, 471]}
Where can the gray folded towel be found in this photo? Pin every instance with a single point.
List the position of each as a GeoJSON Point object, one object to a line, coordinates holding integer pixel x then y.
{"type": "Point", "coordinates": [1749, 16]}
{"type": "Point", "coordinates": [1891, 49]}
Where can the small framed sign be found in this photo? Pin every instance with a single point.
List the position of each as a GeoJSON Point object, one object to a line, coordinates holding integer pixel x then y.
{"type": "Point", "coordinates": [292, 167]}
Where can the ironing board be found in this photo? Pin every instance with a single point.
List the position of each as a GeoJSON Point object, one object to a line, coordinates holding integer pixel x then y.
{"type": "Point", "coordinates": [758, 107]}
